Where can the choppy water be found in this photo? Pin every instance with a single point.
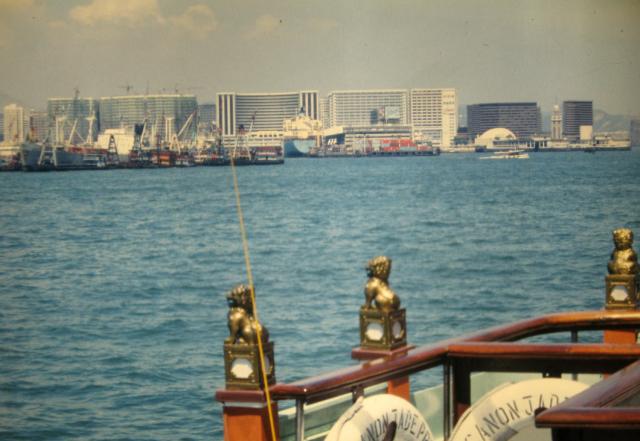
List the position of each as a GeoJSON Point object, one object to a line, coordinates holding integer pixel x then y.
{"type": "Point", "coordinates": [112, 310]}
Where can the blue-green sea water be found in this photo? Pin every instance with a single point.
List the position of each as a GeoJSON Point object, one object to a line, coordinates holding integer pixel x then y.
{"type": "Point", "coordinates": [112, 308]}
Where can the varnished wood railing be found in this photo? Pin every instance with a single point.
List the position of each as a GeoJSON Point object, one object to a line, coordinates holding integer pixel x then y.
{"type": "Point", "coordinates": [424, 357]}
{"type": "Point", "coordinates": [474, 346]}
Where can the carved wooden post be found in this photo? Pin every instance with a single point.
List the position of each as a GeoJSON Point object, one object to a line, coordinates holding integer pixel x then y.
{"type": "Point", "coordinates": [622, 283]}
{"type": "Point", "coordinates": [383, 324]}
{"type": "Point", "coordinates": [245, 409]}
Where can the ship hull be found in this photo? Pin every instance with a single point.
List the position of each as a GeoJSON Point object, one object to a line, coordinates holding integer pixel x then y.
{"type": "Point", "coordinates": [68, 160]}
{"type": "Point", "coordinates": [30, 156]}
{"type": "Point", "coordinates": [296, 148]}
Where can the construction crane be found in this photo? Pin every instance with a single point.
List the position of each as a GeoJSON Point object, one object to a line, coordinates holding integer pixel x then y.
{"type": "Point", "coordinates": [175, 139]}
{"type": "Point", "coordinates": [179, 89]}
{"type": "Point", "coordinates": [127, 87]}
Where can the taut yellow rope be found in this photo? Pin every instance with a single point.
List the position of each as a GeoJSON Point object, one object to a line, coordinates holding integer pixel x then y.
{"type": "Point", "coordinates": [247, 261]}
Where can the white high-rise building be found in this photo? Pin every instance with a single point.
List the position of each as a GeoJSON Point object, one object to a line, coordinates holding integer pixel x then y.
{"type": "Point", "coordinates": [324, 111]}
{"type": "Point", "coordinates": [368, 107]}
{"type": "Point", "coordinates": [434, 115]}
{"type": "Point", "coordinates": [267, 111]}
{"type": "Point", "coordinates": [15, 129]}
{"type": "Point", "coordinates": [556, 123]}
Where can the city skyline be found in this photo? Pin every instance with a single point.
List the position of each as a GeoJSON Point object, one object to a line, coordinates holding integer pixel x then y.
{"type": "Point", "coordinates": [506, 51]}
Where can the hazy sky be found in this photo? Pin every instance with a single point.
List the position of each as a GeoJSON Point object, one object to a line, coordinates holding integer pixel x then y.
{"type": "Point", "coordinates": [544, 51]}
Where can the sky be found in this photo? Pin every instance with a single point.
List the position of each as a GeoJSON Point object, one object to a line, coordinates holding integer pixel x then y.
{"type": "Point", "coordinates": [490, 51]}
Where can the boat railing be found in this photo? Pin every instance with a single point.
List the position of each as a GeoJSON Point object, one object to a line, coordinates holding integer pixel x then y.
{"type": "Point", "coordinates": [424, 357]}
{"type": "Point", "coordinates": [463, 355]}
{"type": "Point", "coordinates": [496, 349]}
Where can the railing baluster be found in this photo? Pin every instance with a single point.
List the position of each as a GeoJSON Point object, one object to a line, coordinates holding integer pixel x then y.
{"type": "Point", "coordinates": [299, 420]}
{"type": "Point", "coordinates": [356, 393]}
{"type": "Point", "coordinates": [446, 399]}
{"type": "Point", "coordinates": [574, 339]}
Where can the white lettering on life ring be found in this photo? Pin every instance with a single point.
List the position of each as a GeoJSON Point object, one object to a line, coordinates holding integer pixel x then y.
{"type": "Point", "coordinates": [510, 409]}
{"type": "Point", "coordinates": [369, 418]}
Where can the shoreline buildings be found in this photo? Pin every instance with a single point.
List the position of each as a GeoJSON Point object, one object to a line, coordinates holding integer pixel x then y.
{"type": "Point", "coordinates": [267, 111]}
{"type": "Point", "coordinates": [434, 115]}
{"type": "Point", "coordinates": [206, 119]}
{"type": "Point", "coordinates": [80, 120]}
{"type": "Point", "coordinates": [521, 118]}
{"type": "Point", "coordinates": [166, 113]}
{"type": "Point", "coordinates": [368, 107]}
{"type": "Point", "coordinates": [428, 115]}
{"type": "Point", "coordinates": [73, 120]}
{"type": "Point", "coordinates": [574, 115]}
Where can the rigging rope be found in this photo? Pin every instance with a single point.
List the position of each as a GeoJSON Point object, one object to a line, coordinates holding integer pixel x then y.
{"type": "Point", "coordinates": [247, 261]}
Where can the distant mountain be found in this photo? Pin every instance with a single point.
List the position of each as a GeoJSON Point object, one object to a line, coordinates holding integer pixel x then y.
{"type": "Point", "coordinates": [604, 122]}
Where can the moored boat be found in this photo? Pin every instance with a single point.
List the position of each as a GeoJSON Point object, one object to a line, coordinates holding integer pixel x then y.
{"type": "Point", "coordinates": [507, 154]}
{"type": "Point", "coordinates": [300, 135]}
{"type": "Point", "coordinates": [267, 155]}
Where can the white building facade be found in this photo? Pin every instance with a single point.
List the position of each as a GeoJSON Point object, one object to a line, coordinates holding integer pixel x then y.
{"type": "Point", "coordinates": [434, 115]}
{"type": "Point", "coordinates": [267, 111]}
{"type": "Point", "coordinates": [367, 107]}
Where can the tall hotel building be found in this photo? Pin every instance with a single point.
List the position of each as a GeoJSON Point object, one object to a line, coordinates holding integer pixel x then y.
{"type": "Point", "coordinates": [574, 115]}
{"type": "Point", "coordinates": [367, 107]}
{"type": "Point", "coordinates": [434, 115]}
{"type": "Point", "coordinates": [523, 119]}
{"type": "Point", "coordinates": [270, 109]}
{"type": "Point", "coordinates": [166, 112]}
{"type": "Point", "coordinates": [80, 115]}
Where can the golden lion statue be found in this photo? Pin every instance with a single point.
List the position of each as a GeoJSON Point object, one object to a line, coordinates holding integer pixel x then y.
{"type": "Point", "coordinates": [377, 288]}
{"type": "Point", "coordinates": [243, 327]}
{"type": "Point", "coordinates": [624, 259]}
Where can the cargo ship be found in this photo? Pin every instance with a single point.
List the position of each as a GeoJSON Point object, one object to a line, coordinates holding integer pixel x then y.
{"type": "Point", "coordinates": [45, 157]}
{"type": "Point", "coordinates": [301, 135]}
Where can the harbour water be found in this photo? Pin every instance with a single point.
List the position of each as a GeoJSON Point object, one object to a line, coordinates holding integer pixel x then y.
{"type": "Point", "coordinates": [112, 310]}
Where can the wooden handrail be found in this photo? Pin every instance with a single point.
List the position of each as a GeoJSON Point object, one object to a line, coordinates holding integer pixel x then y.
{"type": "Point", "coordinates": [596, 407]}
{"type": "Point", "coordinates": [530, 351]}
{"type": "Point", "coordinates": [376, 371]}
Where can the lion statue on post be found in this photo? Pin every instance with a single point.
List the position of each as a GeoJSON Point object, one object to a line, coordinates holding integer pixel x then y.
{"type": "Point", "coordinates": [377, 288]}
{"type": "Point", "coordinates": [624, 259]}
{"type": "Point", "coordinates": [243, 327]}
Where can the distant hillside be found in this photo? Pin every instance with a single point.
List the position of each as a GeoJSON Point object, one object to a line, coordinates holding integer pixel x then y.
{"type": "Point", "coordinates": [604, 122]}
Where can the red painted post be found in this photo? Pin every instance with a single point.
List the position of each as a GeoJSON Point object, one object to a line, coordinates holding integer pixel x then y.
{"type": "Point", "coordinates": [245, 415]}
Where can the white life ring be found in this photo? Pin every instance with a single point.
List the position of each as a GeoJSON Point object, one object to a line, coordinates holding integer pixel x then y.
{"type": "Point", "coordinates": [370, 418]}
{"type": "Point", "coordinates": [510, 409]}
